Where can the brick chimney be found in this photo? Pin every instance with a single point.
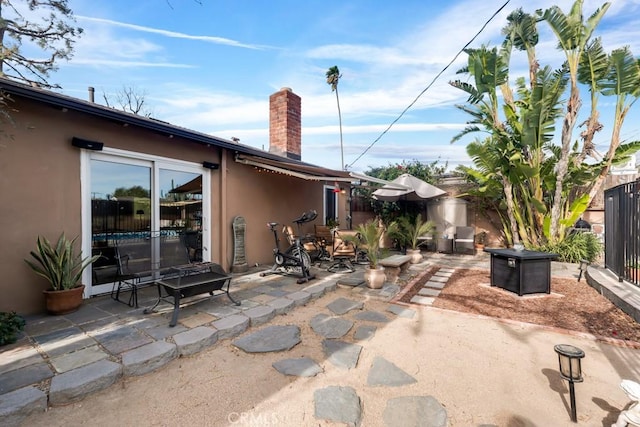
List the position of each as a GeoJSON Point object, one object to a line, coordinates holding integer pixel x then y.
{"type": "Point", "coordinates": [285, 124]}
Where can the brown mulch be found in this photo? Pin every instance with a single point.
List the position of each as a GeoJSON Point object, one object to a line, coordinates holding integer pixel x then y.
{"type": "Point", "coordinates": [571, 304]}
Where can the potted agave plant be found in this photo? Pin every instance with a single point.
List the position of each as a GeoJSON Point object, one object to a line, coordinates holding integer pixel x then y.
{"type": "Point", "coordinates": [62, 267]}
{"type": "Point", "coordinates": [369, 235]}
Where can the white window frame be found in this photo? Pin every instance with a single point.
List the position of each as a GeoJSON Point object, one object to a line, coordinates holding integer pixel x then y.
{"type": "Point", "coordinates": [155, 163]}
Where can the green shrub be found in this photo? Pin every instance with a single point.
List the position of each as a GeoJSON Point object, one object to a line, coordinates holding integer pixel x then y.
{"type": "Point", "coordinates": [576, 247]}
{"type": "Point", "coordinates": [10, 325]}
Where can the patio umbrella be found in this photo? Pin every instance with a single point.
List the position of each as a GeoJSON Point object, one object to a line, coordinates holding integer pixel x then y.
{"type": "Point", "coordinates": [415, 190]}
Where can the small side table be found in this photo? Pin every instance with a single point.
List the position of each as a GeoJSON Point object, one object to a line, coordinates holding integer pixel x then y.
{"type": "Point", "coordinates": [445, 245]}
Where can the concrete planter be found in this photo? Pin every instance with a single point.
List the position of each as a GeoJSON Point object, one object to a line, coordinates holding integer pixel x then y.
{"type": "Point", "coordinates": [64, 301]}
{"type": "Point", "coordinates": [374, 277]}
{"type": "Point", "coordinates": [416, 255]}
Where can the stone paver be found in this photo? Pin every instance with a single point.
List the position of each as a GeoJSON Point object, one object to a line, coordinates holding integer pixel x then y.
{"type": "Point", "coordinates": [148, 357]}
{"type": "Point", "coordinates": [260, 315]}
{"type": "Point", "coordinates": [120, 339]}
{"type": "Point", "coordinates": [18, 355]}
{"type": "Point", "coordinates": [195, 340]}
{"type": "Point", "coordinates": [372, 316]}
{"type": "Point", "coordinates": [364, 332]}
{"type": "Point", "coordinates": [435, 278]}
{"type": "Point", "coordinates": [435, 285]}
{"type": "Point", "coordinates": [299, 298]}
{"type": "Point", "coordinates": [339, 404]}
{"type": "Point", "coordinates": [195, 320]}
{"type": "Point", "coordinates": [329, 326]}
{"type": "Point", "coordinates": [19, 404]}
{"type": "Point", "coordinates": [417, 299]}
{"type": "Point", "coordinates": [222, 311]}
{"type": "Point", "coordinates": [282, 305]}
{"type": "Point", "coordinates": [419, 411]}
{"type": "Point", "coordinates": [231, 326]}
{"type": "Point", "coordinates": [342, 354]}
{"type": "Point", "coordinates": [385, 373]}
{"type": "Point", "coordinates": [428, 292]}
{"type": "Point", "coordinates": [271, 338]}
{"type": "Point", "coordinates": [344, 305]}
{"type": "Point", "coordinates": [299, 367]}
{"type": "Point", "coordinates": [63, 341]}
{"type": "Point", "coordinates": [28, 375]}
{"type": "Point", "coordinates": [74, 385]}
{"type": "Point", "coordinates": [315, 290]}
{"type": "Point", "coordinates": [82, 357]}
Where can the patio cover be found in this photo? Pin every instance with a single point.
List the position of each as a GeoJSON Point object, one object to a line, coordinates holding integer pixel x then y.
{"type": "Point", "coordinates": [311, 172]}
{"type": "Point", "coordinates": [415, 190]}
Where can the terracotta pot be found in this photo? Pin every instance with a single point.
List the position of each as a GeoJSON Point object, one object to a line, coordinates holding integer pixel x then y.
{"type": "Point", "coordinates": [374, 277]}
{"type": "Point", "coordinates": [64, 301]}
{"type": "Point", "coordinates": [416, 255]}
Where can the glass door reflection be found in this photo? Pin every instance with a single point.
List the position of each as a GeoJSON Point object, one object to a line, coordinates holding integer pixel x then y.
{"type": "Point", "coordinates": [121, 214]}
{"type": "Point", "coordinates": [180, 214]}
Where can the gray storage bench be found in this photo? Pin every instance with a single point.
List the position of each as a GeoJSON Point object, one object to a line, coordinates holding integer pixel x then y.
{"type": "Point", "coordinates": [189, 281]}
{"type": "Point", "coordinates": [394, 265]}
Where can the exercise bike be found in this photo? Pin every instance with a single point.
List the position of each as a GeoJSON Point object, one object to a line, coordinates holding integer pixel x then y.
{"type": "Point", "coordinates": [316, 248]}
{"type": "Point", "coordinates": [294, 260]}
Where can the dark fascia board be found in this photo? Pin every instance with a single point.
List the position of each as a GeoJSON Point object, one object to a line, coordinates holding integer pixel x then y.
{"type": "Point", "coordinates": [63, 101]}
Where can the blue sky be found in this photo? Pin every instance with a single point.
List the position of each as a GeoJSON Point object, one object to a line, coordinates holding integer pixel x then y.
{"type": "Point", "coordinates": [211, 65]}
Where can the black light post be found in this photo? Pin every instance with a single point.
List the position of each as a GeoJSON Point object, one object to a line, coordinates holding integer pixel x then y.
{"type": "Point", "coordinates": [569, 358]}
{"type": "Point", "coordinates": [584, 264]}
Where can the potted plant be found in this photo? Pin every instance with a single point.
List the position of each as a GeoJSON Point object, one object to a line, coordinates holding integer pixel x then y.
{"type": "Point", "coordinates": [481, 238]}
{"type": "Point", "coordinates": [62, 267]}
{"type": "Point", "coordinates": [369, 235]}
{"type": "Point", "coordinates": [409, 232]}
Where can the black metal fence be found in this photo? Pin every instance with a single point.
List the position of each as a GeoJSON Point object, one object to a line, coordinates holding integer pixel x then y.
{"type": "Point", "coordinates": [622, 231]}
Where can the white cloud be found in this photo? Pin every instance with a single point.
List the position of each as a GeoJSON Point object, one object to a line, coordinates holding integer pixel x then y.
{"type": "Point", "coordinates": [172, 34]}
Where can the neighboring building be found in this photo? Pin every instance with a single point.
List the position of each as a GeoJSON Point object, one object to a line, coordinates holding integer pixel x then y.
{"type": "Point", "coordinates": [102, 174]}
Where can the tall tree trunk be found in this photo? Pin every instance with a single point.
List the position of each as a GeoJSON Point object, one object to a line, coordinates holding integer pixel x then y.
{"type": "Point", "coordinates": [573, 106]}
{"type": "Point", "coordinates": [513, 224]}
{"type": "Point", "coordinates": [613, 146]}
{"type": "Point", "coordinates": [342, 166]}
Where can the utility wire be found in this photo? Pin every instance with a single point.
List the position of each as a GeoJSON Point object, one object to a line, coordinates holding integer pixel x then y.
{"type": "Point", "coordinates": [430, 84]}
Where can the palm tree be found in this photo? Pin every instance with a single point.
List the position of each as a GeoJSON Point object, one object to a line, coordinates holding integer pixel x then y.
{"type": "Point", "coordinates": [333, 77]}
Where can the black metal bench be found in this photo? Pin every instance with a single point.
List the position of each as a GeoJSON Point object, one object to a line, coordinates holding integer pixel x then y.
{"type": "Point", "coordinates": [189, 281]}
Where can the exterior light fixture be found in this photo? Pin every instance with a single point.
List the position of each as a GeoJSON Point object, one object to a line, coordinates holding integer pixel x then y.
{"type": "Point", "coordinates": [569, 358]}
{"type": "Point", "coordinates": [584, 264]}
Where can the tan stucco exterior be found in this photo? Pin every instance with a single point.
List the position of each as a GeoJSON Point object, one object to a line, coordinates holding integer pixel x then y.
{"type": "Point", "coordinates": [40, 187]}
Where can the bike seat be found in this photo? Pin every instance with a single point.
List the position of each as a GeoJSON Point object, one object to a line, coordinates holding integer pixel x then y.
{"type": "Point", "coordinates": [272, 225]}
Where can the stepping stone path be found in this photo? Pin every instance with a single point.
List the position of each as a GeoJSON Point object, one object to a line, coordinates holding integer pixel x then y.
{"type": "Point", "coordinates": [386, 373]}
{"type": "Point", "coordinates": [342, 404]}
{"type": "Point", "coordinates": [300, 367]}
{"type": "Point", "coordinates": [330, 327]}
{"type": "Point", "coordinates": [271, 338]}
{"type": "Point", "coordinates": [344, 305]}
{"type": "Point", "coordinates": [342, 354]}
{"type": "Point", "coordinates": [433, 286]}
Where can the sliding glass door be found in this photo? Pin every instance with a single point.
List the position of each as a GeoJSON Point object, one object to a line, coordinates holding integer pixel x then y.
{"type": "Point", "coordinates": [149, 211]}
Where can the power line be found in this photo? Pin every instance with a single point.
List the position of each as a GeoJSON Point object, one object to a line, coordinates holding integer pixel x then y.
{"type": "Point", "coordinates": [430, 84]}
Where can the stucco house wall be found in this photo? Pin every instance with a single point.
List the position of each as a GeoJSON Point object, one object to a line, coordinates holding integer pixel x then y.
{"type": "Point", "coordinates": [41, 185]}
